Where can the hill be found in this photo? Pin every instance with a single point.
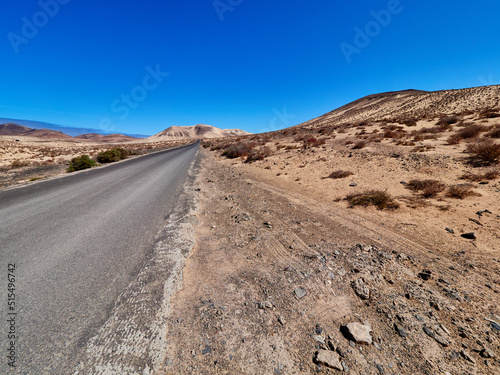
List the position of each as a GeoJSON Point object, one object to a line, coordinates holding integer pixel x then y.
{"type": "Point", "coordinates": [416, 105]}
{"type": "Point", "coordinates": [199, 131]}
{"type": "Point", "coordinates": [110, 138]}
{"type": "Point", "coordinates": [19, 130]}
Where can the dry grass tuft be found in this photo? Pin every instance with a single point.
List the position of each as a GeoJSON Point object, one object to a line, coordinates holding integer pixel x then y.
{"type": "Point", "coordinates": [488, 175]}
{"type": "Point", "coordinates": [461, 191]}
{"type": "Point", "coordinates": [429, 188]}
{"type": "Point", "coordinates": [378, 198]}
{"type": "Point", "coordinates": [484, 152]}
{"type": "Point", "coordinates": [340, 174]}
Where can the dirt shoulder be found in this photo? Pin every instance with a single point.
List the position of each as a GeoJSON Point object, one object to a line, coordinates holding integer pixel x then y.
{"type": "Point", "coordinates": [277, 273]}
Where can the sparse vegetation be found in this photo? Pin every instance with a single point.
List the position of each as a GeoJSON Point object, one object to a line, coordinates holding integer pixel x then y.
{"type": "Point", "coordinates": [468, 132]}
{"type": "Point", "coordinates": [80, 162]}
{"type": "Point", "coordinates": [359, 145]}
{"type": "Point", "coordinates": [461, 191]}
{"type": "Point", "coordinates": [340, 174]}
{"type": "Point", "coordinates": [378, 198]}
{"type": "Point", "coordinates": [258, 154]}
{"type": "Point", "coordinates": [488, 175]}
{"type": "Point", "coordinates": [428, 188]}
{"type": "Point", "coordinates": [484, 152]}
{"type": "Point", "coordinates": [112, 155]}
{"type": "Point", "coordinates": [19, 164]}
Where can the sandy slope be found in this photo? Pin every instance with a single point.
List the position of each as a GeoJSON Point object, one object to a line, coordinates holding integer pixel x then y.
{"type": "Point", "coordinates": [199, 131]}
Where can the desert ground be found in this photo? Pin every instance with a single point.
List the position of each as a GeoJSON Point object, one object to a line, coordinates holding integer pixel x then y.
{"type": "Point", "coordinates": [366, 241]}
{"type": "Point", "coordinates": [302, 268]}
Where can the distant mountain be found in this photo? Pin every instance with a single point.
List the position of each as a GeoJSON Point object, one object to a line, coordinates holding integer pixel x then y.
{"type": "Point", "coordinates": [110, 138]}
{"type": "Point", "coordinates": [72, 131]}
{"type": "Point", "coordinates": [199, 131]}
{"type": "Point", "coordinates": [19, 130]}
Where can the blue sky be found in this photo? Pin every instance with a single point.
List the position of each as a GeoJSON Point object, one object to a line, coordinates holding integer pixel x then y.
{"type": "Point", "coordinates": [140, 67]}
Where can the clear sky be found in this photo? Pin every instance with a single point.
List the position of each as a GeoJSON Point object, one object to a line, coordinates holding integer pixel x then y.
{"type": "Point", "coordinates": [142, 66]}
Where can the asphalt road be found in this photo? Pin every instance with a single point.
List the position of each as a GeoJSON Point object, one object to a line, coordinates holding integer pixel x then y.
{"type": "Point", "coordinates": [76, 243]}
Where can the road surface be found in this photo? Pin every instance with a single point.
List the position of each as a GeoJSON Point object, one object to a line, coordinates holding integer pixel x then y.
{"type": "Point", "coordinates": [77, 242]}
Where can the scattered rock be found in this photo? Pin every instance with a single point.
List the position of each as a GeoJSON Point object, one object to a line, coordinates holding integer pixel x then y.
{"type": "Point", "coordinates": [485, 353]}
{"type": "Point", "coordinates": [467, 356]}
{"type": "Point", "coordinates": [425, 275]}
{"type": "Point", "coordinates": [299, 293]}
{"type": "Point", "coordinates": [361, 289]}
{"type": "Point", "coordinates": [441, 338]}
{"type": "Point", "coordinates": [400, 330]}
{"type": "Point", "coordinates": [360, 333]}
{"type": "Point", "coordinates": [329, 359]}
{"type": "Point", "coordinates": [469, 236]}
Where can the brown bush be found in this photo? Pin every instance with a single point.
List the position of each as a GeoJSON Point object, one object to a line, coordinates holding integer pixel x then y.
{"type": "Point", "coordinates": [429, 188]}
{"type": "Point", "coordinates": [19, 164]}
{"type": "Point", "coordinates": [460, 191]}
{"type": "Point", "coordinates": [488, 175]}
{"type": "Point", "coordinates": [258, 154]}
{"type": "Point", "coordinates": [238, 150]}
{"type": "Point", "coordinates": [484, 152]}
{"type": "Point", "coordinates": [488, 113]}
{"type": "Point", "coordinates": [359, 145]}
{"type": "Point", "coordinates": [448, 120]}
{"type": "Point", "coordinates": [495, 133]}
{"type": "Point", "coordinates": [340, 174]}
{"type": "Point", "coordinates": [378, 198]}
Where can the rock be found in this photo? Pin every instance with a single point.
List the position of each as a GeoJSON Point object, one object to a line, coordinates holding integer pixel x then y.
{"type": "Point", "coordinates": [299, 292]}
{"type": "Point", "coordinates": [353, 184]}
{"type": "Point", "coordinates": [485, 353]}
{"type": "Point", "coordinates": [402, 256]}
{"type": "Point", "coordinates": [469, 236]}
{"type": "Point", "coordinates": [400, 330]}
{"type": "Point", "coordinates": [329, 359]}
{"type": "Point", "coordinates": [319, 338]}
{"type": "Point", "coordinates": [361, 289]}
{"type": "Point", "coordinates": [281, 320]}
{"type": "Point", "coordinates": [449, 230]}
{"type": "Point", "coordinates": [425, 275]}
{"type": "Point", "coordinates": [360, 333]}
{"type": "Point", "coordinates": [267, 305]}
{"type": "Point", "coordinates": [441, 338]}
{"type": "Point", "coordinates": [467, 356]}
{"type": "Point", "coordinates": [436, 305]}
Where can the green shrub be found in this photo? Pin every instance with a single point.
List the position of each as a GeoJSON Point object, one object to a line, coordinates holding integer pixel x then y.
{"type": "Point", "coordinates": [80, 162]}
{"type": "Point", "coordinates": [112, 155]}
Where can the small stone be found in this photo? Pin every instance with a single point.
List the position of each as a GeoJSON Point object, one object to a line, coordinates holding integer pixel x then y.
{"type": "Point", "coordinates": [361, 289]}
{"type": "Point", "coordinates": [449, 230]}
{"type": "Point", "coordinates": [268, 305]}
{"type": "Point", "coordinates": [360, 333]}
{"type": "Point", "coordinates": [299, 293]}
{"type": "Point", "coordinates": [467, 356]}
{"type": "Point", "coordinates": [353, 184]}
{"type": "Point", "coordinates": [436, 305]}
{"type": "Point", "coordinates": [207, 350]}
{"type": "Point", "coordinates": [469, 236]}
{"type": "Point", "coordinates": [425, 275]}
{"type": "Point", "coordinates": [402, 256]}
{"type": "Point", "coordinates": [440, 338]}
{"type": "Point", "coordinates": [281, 320]}
{"type": "Point", "coordinates": [400, 330]}
{"type": "Point", "coordinates": [319, 338]}
{"type": "Point", "coordinates": [341, 352]}
{"type": "Point", "coordinates": [485, 353]}
{"type": "Point", "coordinates": [329, 359]}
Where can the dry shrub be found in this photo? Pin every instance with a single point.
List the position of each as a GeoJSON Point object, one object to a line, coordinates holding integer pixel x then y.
{"type": "Point", "coordinates": [495, 133]}
{"type": "Point", "coordinates": [378, 198]}
{"type": "Point", "coordinates": [238, 150]}
{"type": "Point", "coordinates": [448, 120]}
{"type": "Point", "coordinates": [428, 188]}
{"type": "Point", "coordinates": [19, 164]}
{"type": "Point", "coordinates": [258, 154]}
{"type": "Point", "coordinates": [461, 191]}
{"type": "Point", "coordinates": [469, 132]}
{"type": "Point", "coordinates": [359, 145]}
{"type": "Point", "coordinates": [484, 152]}
{"type": "Point", "coordinates": [492, 174]}
{"type": "Point", "coordinates": [488, 113]}
{"type": "Point", "coordinates": [340, 174]}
